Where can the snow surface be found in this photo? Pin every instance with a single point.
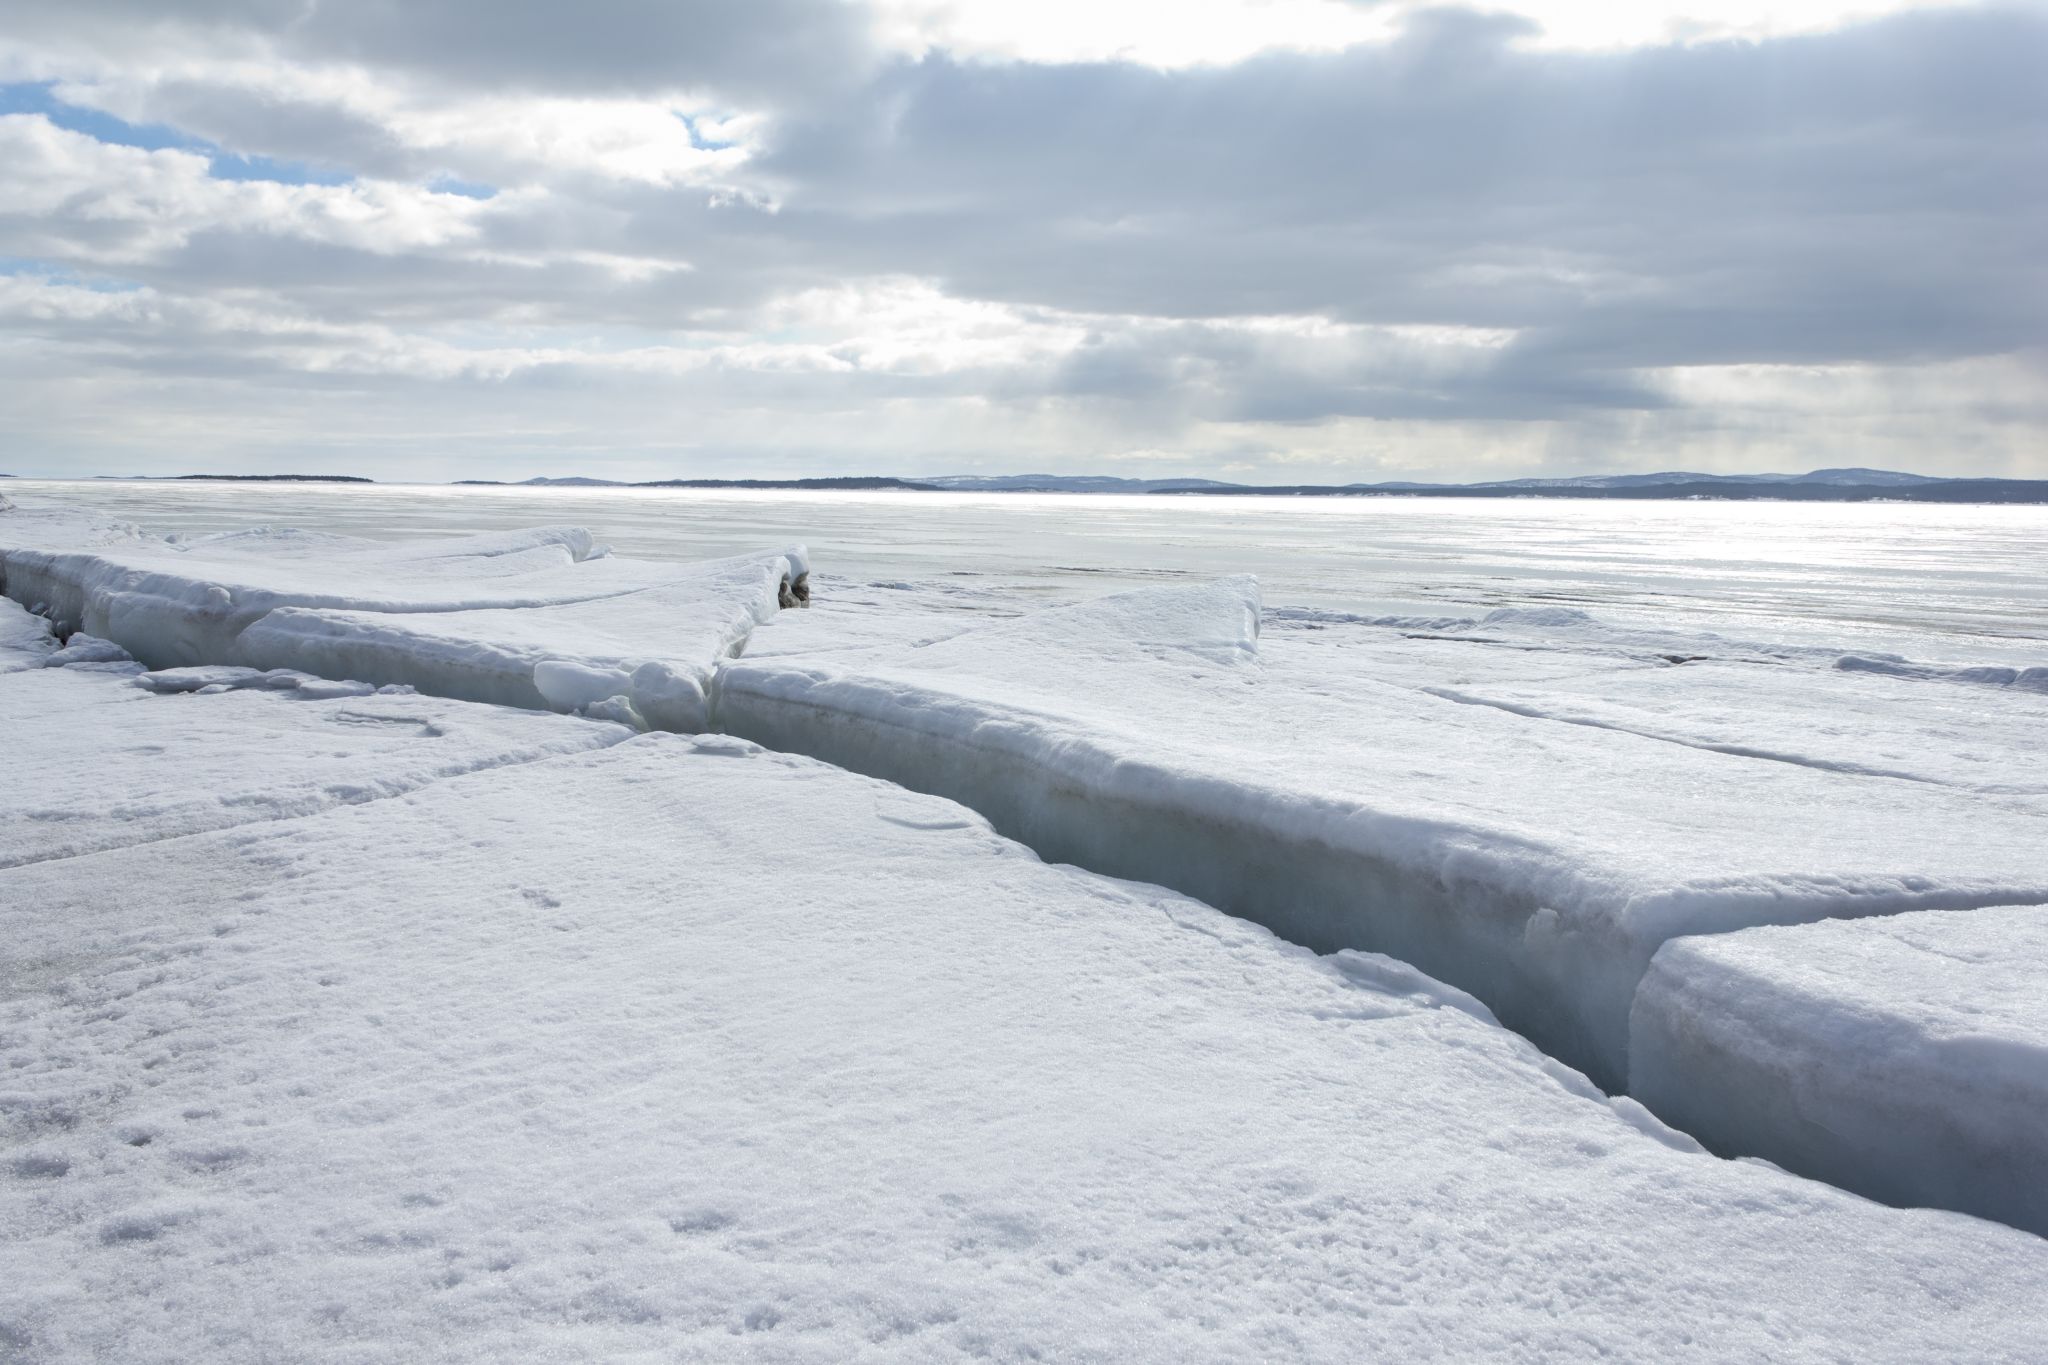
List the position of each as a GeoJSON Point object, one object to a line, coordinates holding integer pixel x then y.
{"type": "Point", "coordinates": [686, 1050]}
{"type": "Point", "coordinates": [92, 760]}
{"type": "Point", "coordinates": [1539, 865]}
{"type": "Point", "coordinates": [542, 618]}
{"type": "Point", "coordinates": [1906, 1057]}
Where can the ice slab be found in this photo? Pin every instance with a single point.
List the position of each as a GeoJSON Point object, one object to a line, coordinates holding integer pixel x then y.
{"type": "Point", "coordinates": [655, 648]}
{"type": "Point", "coordinates": [174, 603]}
{"type": "Point", "coordinates": [1535, 864]}
{"type": "Point", "coordinates": [1905, 1058]}
{"type": "Point", "coordinates": [590, 1058]}
{"type": "Point", "coordinates": [25, 640]}
{"type": "Point", "coordinates": [90, 760]}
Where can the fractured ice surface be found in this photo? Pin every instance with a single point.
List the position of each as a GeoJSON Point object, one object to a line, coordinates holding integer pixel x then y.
{"type": "Point", "coordinates": [1536, 864]}
{"type": "Point", "coordinates": [656, 647]}
{"type": "Point", "coordinates": [589, 1059]}
{"type": "Point", "coordinates": [539, 618]}
{"type": "Point", "coordinates": [1904, 1057]}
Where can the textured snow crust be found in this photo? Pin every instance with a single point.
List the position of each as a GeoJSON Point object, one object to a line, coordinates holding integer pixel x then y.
{"type": "Point", "coordinates": [99, 755]}
{"type": "Point", "coordinates": [1536, 864]}
{"type": "Point", "coordinates": [461, 1075]}
{"type": "Point", "coordinates": [543, 618]}
{"type": "Point", "coordinates": [1905, 1057]}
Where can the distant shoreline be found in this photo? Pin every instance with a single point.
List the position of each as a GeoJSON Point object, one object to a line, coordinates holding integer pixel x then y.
{"type": "Point", "coordinates": [1820, 486]}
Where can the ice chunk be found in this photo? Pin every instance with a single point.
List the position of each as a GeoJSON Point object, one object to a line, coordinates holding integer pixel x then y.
{"type": "Point", "coordinates": [2034, 679]}
{"type": "Point", "coordinates": [591, 1058]}
{"type": "Point", "coordinates": [1536, 865]}
{"type": "Point", "coordinates": [1905, 1058]}
{"type": "Point", "coordinates": [91, 762]}
{"type": "Point", "coordinates": [25, 639]}
{"type": "Point", "coordinates": [656, 648]}
{"type": "Point", "coordinates": [225, 677]}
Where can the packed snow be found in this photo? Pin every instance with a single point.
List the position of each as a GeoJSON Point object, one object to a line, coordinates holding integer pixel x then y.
{"type": "Point", "coordinates": [1904, 1057]}
{"type": "Point", "coordinates": [97, 756]}
{"type": "Point", "coordinates": [1155, 735]}
{"type": "Point", "coordinates": [687, 1050]}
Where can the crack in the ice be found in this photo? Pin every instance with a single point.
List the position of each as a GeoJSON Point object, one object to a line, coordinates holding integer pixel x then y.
{"type": "Point", "coordinates": [1843, 767]}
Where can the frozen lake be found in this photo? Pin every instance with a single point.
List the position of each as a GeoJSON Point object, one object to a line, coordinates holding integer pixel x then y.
{"type": "Point", "coordinates": [1966, 583]}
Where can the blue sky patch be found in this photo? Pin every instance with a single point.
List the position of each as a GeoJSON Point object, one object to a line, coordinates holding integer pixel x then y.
{"type": "Point", "coordinates": [38, 97]}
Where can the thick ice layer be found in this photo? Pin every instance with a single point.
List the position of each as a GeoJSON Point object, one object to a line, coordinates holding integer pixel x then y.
{"type": "Point", "coordinates": [1536, 864]}
{"type": "Point", "coordinates": [25, 640]}
{"type": "Point", "coordinates": [89, 760]}
{"type": "Point", "coordinates": [683, 1050]}
{"type": "Point", "coordinates": [174, 603]}
{"type": "Point", "coordinates": [1905, 1058]}
{"type": "Point", "coordinates": [656, 648]}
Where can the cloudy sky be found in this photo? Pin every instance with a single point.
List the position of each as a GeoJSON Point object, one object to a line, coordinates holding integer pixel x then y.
{"type": "Point", "coordinates": [1265, 240]}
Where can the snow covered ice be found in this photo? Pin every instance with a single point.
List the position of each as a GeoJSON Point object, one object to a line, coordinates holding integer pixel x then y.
{"type": "Point", "coordinates": [341, 978]}
{"type": "Point", "coordinates": [95, 757]}
{"type": "Point", "coordinates": [1156, 735]}
{"type": "Point", "coordinates": [588, 1057]}
{"type": "Point", "coordinates": [540, 618]}
{"type": "Point", "coordinates": [1852, 1050]}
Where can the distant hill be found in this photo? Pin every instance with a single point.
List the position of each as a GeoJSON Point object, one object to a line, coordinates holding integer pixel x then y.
{"type": "Point", "coordinates": [1819, 485]}
{"type": "Point", "coordinates": [1782, 489]}
{"type": "Point", "coordinates": [1832, 478]}
{"type": "Point", "coordinates": [274, 478]}
{"type": "Point", "coordinates": [857, 482]}
{"type": "Point", "coordinates": [1066, 483]}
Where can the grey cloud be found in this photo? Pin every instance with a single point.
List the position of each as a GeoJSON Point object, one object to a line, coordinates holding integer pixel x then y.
{"type": "Point", "coordinates": [1874, 193]}
{"type": "Point", "coordinates": [775, 49]}
{"type": "Point", "coordinates": [1868, 193]}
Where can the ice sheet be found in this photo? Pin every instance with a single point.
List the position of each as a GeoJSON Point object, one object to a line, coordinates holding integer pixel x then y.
{"type": "Point", "coordinates": [89, 760]}
{"type": "Point", "coordinates": [173, 603]}
{"type": "Point", "coordinates": [682, 1050]}
{"type": "Point", "coordinates": [655, 648]}
{"type": "Point", "coordinates": [1906, 1057]}
{"type": "Point", "coordinates": [1537, 864]}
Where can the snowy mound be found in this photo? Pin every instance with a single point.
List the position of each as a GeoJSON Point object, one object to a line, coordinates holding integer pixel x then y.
{"type": "Point", "coordinates": [457, 1075]}
{"type": "Point", "coordinates": [1904, 1057]}
{"type": "Point", "coordinates": [1536, 864]}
